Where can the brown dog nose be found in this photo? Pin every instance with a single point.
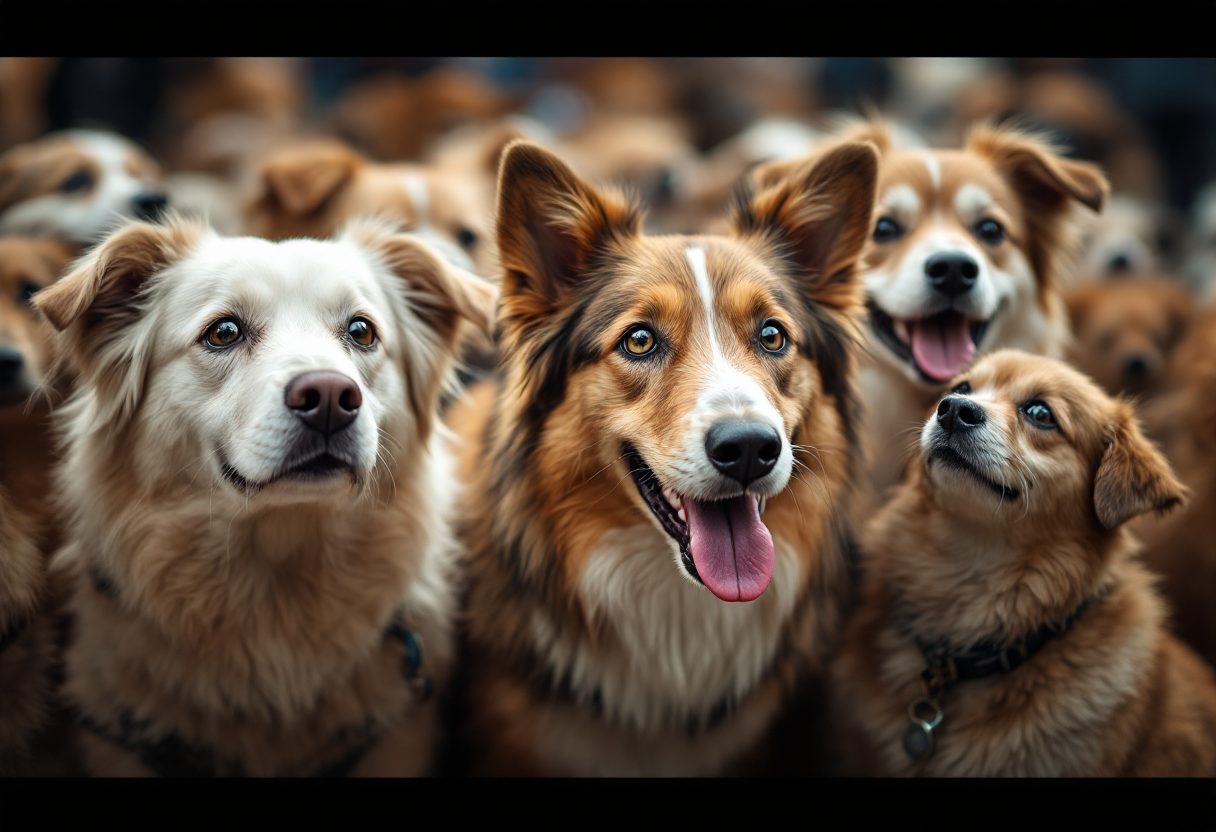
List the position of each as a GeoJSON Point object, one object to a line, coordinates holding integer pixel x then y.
{"type": "Point", "coordinates": [324, 400]}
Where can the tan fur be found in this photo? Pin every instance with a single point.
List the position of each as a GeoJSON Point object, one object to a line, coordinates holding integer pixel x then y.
{"type": "Point", "coordinates": [310, 189]}
{"type": "Point", "coordinates": [1113, 695]}
{"type": "Point", "coordinates": [1181, 546]}
{"type": "Point", "coordinates": [250, 624]}
{"type": "Point", "coordinates": [1118, 321]}
{"type": "Point", "coordinates": [554, 521]}
{"type": "Point", "coordinates": [27, 661]}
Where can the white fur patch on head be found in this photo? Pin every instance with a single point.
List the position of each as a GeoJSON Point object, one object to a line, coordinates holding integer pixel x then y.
{"type": "Point", "coordinates": [727, 393]}
{"type": "Point", "coordinates": [934, 168]}
{"type": "Point", "coordinates": [903, 203]}
{"type": "Point", "coordinates": [970, 201]}
{"type": "Point", "coordinates": [420, 198]}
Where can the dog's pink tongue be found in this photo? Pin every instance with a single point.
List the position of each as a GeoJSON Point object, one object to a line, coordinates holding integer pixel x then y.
{"type": "Point", "coordinates": [942, 344]}
{"type": "Point", "coordinates": [731, 547]}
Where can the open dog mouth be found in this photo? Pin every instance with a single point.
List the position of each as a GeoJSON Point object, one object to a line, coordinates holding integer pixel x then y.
{"type": "Point", "coordinates": [951, 458]}
{"type": "Point", "coordinates": [723, 543]}
{"type": "Point", "coordinates": [938, 346]}
{"type": "Point", "coordinates": [315, 468]}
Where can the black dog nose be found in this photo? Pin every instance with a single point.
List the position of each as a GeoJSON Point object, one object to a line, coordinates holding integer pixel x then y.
{"type": "Point", "coordinates": [1135, 368]}
{"type": "Point", "coordinates": [744, 451]}
{"type": "Point", "coordinates": [324, 400]}
{"type": "Point", "coordinates": [149, 206]}
{"type": "Point", "coordinates": [1120, 263]}
{"type": "Point", "coordinates": [11, 363]}
{"type": "Point", "coordinates": [951, 272]}
{"type": "Point", "coordinates": [956, 413]}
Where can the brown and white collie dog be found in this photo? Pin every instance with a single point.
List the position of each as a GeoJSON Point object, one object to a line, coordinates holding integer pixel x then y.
{"type": "Point", "coordinates": [660, 475]}
{"type": "Point", "coordinates": [968, 250]}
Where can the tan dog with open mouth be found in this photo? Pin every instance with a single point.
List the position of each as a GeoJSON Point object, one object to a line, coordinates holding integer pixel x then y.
{"type": "Point", "coordinates": [967, 253]}
{"type": "Point", "coordinates": [673, 431]}
{"type": "Point", "coordinates": [258, 500]}
{"type": "Point", "coordinates": [1007, 626]}
{"type": "Point", "coordinates": [76, 185]}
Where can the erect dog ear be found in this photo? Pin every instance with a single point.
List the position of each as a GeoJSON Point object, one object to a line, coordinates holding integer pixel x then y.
{"type": "Point", "coordinates": [819, 212]}
{"type": "Point", "coordinates": [100, 298]}
{"type": "Point", "coordinates": [1045, 180]}
{"type": "Point", "coordinates": [302, 178]}
{"type": "Point", "coordinates": [551, 224]}
{"type": "Point", "coordinates": [1133, 477]}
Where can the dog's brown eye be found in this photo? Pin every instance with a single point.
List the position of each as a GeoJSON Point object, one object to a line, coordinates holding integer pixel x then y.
{"type": "Point", "coordinates": [28, 287]}
{"type": "Point", "coordinates": [771, 337]}
{"type": "Point", "coordinates": [1039, 414]}
{"type": "Point", "coordinates": [990, 231]}
{"type": "Point", "coordinates": [79, 181]}
{"type": "Point", "coordinates": [639, 341]}
{"type": "Point", "coordinates": [886, 230]}
{"type": "Point", "coordinates": [467, 238]}
{"type": "Point", "coordinates": [962, 388]}
{"type": "Point", "coordinates": [361, 332]}
{"type": "Point", "coordinates": [223, 333]}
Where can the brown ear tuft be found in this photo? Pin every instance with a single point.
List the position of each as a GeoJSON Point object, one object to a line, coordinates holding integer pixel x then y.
{"type": "Point", "coordinates": [1133, 477]}
{"type": "Point", "coordinates": [819, 211]}
{"type": "Point", "coordinates": [302, 178]}
{"type": "Point", "coordinates": [550, 221]}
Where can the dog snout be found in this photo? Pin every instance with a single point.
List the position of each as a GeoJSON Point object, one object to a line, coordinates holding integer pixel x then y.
{"type": "Point", "coordinates": [1136, 369]}
{"type": "Point", "coordinates": [325, 401]}
{"type": "Point", "coordinates": [956, 414]}
{"type": "Point", "coordinates": [951, 272]}
{"type": "Point", "coordinates": [743, 450]}
{"type": "Point", "coordinates": [149, 206]}
{"type": "Point", "coordinates": [12, 363]}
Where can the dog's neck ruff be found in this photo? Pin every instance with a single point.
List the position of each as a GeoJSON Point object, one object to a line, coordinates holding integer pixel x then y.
{"type": "Point", "coordinates": [168, 755]}
{"type": "Point", "coordinates": [947, 664]}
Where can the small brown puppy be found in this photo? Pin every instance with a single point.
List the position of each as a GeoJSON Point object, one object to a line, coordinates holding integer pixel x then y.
{"type": "Point", "coordinates": [26, 266]}
{"type": "Point", "coordinates": [1125, 330]}
{"type": "Point", "coordinates": [310, 189]}
{"type": "Point", "coordinates": [1181, 545]}
{"type": "Point", "coordinates": [1006, 625]}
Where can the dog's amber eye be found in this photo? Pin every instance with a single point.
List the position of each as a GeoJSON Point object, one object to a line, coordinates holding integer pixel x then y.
{"type": "Point", "coordinates": [639, 341]}
{"type": "Point", "coordinates": [886, 230]}
{"type": "Point", "coordinates": [76, 182]}
{"type": "Point", "coordinates": [990, 231]}
{"type": "Point", "coordinates": [223, 333]}
{"type": "Point", "coordinates": [361, 332]}
{"type": "Point", "coordinates": [28, 287]}
{"type": "Point", "coordinates": [962, 388]}
{"type": "Point", "coordinates": [771, 337]}
{"type": "Point", "coordinates": [1039, 414]}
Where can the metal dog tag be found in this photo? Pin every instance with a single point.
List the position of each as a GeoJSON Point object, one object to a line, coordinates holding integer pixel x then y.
{"type": "Point", "coordinates": [924, 715]}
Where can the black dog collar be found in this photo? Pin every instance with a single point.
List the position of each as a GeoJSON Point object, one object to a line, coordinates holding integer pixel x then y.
{"type": "Point", "coordinates": [947, 665]}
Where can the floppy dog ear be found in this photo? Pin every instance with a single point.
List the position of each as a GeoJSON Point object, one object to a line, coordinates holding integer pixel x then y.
{"type": "Point", "coordinates": [1043, 178]}
{"type": "Point", "coordinates": [1133, 477]}
{"type": "Point", "coordinates": [550, 225]}
{"type": "Point", "coordinates": [819, 212]}
{"type": "Point", "coordinates": [301, 179]}
{"type": "Point", "coordinates": [440, 294]}
{"type": "Point", "coordinates": [101, 297]}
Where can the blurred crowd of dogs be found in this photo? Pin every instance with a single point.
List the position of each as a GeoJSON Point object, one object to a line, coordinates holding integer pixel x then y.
{"type": "Point", "coordinates": [997, 212]}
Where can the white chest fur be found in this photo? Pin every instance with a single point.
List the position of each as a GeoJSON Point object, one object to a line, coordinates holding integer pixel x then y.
{"type": "Point", "coordinates": [678, 651]}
